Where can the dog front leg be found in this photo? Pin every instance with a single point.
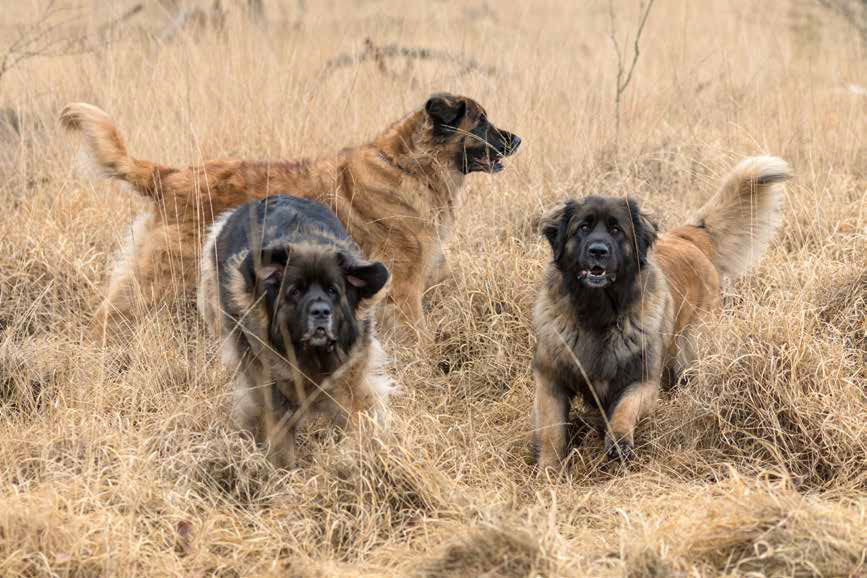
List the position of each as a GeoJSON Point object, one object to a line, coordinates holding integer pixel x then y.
{"type": "Point", "coordinates": [550, 415]}
{"type": "Point", "coordinates": [282, 450]}
{"type": "Point", "coordinates": [439, 268]}
{"type": "Point", "coordinates": [406, 296]}
{"type": "Point", "coordinates": [279, 427]}
{"type": "Point", "coordinates": [636, 402]}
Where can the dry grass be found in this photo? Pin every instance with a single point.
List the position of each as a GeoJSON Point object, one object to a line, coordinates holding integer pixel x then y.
{"type": "Point", "coordinates": [123, 461]}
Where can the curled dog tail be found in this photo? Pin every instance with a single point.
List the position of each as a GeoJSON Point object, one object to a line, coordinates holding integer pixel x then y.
{"type": "Point", "coordinates": [741, 219]}
{"type": "Point", "coordinates": [106, 150]}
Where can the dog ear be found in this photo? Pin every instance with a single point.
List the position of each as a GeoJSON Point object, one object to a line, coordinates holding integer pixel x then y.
{"type": "Point", "coordinates": [266, 269]}
{"type": "Point", "coordinates": [645, 231]}
{"type": "Point", "coordinates": [445, 110]}
{"type": "Point", "coordinates": [368, 278]}
{"type": "Point", "coordinates": [554, 225]}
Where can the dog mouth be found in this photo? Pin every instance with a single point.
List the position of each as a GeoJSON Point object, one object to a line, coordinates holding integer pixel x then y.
{"type": "Point", "coordinates": [490, 163]}
{"type": "Point", "coordinates": [319, 337]}
{"type": "Point", "coordinates": [596, 277]}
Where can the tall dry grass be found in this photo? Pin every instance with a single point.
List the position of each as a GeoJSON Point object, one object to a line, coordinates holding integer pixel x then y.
{"type": "Point", "coordinates": [123, 461]}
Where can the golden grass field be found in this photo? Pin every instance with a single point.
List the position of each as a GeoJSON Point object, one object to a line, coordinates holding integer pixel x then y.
{"type": "Point", "coordinates": [123, 461]}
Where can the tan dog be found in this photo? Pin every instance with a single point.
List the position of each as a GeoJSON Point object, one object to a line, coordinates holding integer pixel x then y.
{"type": "Point", "coordinates": [618, 308]}
{"type": "Point", "coordinates": [396, 196]}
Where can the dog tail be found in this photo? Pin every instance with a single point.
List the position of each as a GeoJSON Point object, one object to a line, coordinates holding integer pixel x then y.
{"type": "Point", "coordinates": [106, 150]}
{"type": "Point", "coordinates": [743, 216]}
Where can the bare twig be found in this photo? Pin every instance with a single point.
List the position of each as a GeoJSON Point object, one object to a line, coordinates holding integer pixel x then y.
{"type": "Point", "coordinates": [624, 76]}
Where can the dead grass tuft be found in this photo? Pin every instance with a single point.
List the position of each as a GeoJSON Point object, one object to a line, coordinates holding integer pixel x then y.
{"type": "Point", "coordinates": [33, 372]}
{"type": "Point", "coordinates": [370, 494]}
{"type": "Point", "coordinates": [842, 303]}
{"type": "Point", "coordinates": [501, 550]}
{"type": "Point", "coordinates": [778, 397]}
{"type": "Point", "coordinates": [751, 526]}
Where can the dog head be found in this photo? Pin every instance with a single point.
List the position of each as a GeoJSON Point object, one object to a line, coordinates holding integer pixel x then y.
{"type": "Point", "coordinates": [461, 125]}
{"type": "Point", "coordinates": [599, 241]}
{"type": "Point", "coordinates": [313, 293]}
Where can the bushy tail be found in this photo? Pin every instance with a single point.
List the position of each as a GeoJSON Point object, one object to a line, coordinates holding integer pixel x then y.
{"type": "Point", "coordinates": [106, 150]}
{"type": "Point", "coordinates": [743, 216]}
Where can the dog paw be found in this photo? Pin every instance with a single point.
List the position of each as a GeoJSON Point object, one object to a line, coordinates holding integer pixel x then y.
{"type": "Point", "coordinates": [549, 468]}
{"type": "Point", "coordinates": [620, 449]}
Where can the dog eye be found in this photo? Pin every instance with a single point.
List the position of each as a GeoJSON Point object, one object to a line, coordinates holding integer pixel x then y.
{"type": "Point", "coordinates": [332, 291]}
{"type": "Point", "coordinates": [584, 228]}
{"type": "Point", "coordinates": [615, 230]}
{"type": "Point", "coordinates": [294, 292]}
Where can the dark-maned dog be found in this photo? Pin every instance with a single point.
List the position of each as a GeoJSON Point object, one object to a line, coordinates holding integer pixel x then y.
{"type": "Point", "coordinates": [617, 307]}
{"type": "Point", "coordinates": [397, 197]}
{"type": "Point", "coordinates": [291, 297]}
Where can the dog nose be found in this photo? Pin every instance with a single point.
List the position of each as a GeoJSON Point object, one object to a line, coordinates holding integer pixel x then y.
{"type": "Point", "coordinates": [598, 250]}
{"type": "Point", "coordinates": [516, 142]}
{"type": "Point", "coordinates": [320, 311]}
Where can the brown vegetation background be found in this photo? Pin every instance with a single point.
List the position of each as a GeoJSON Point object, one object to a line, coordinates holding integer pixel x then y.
{"type": "Point", "coordinates": [122, 461]}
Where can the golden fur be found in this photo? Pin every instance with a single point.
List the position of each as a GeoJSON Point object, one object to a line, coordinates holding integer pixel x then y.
{"type": "Point", "coordinates": [396, 196]}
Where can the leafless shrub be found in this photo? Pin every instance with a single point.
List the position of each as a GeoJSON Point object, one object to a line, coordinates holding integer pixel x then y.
{"type": "Point", "coordinates": [624, 74]}
{"type": "Point", "coordinates": [381, 55]}
{"type": "Point", "coordinates": [853, 12]}
{"type": "Point", "coordinates": [51, 34]}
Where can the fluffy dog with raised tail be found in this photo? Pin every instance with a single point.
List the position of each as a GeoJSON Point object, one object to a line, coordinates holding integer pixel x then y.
{"type": "Point", "coordinates": [618, 307]}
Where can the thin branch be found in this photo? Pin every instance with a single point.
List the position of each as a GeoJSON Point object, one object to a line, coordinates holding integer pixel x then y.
{"type": "Point", "coordinates": [623, 83]}
{"type": "Point", "coordinates": [635, 47]}
{"type": "Point", "coordinates": [616, 44]}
